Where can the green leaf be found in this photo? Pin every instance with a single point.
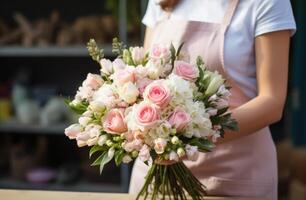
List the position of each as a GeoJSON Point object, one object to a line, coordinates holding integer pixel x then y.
{"type": "Point", "coordinates": [153, 154]}
{"type": "Point", "coordinates": [179, 49]}
{"type": "Point", "coordinates": [119, 156]}
{"type": "Point", "coordinates": [95, 149]}
{"type": "Point", "coordinates": [79, 108]}
{"type": "Point", "coordinates": [222, 111]}
{"type": "Point", "coordinates": [173, 54]}
{"type": "Point", "coordinates": [203, 144]}
{"type": "Point", "coordinates": [99, 159]}
{"type": "Point", "coordinates": [106, 159]}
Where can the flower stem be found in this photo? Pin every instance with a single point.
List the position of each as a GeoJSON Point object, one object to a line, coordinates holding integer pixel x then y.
{"type": "Point", "coordinates": [171, 182]}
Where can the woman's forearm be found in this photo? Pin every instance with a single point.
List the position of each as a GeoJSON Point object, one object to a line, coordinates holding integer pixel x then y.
{"type": "Point", "coordinates": [254, 115]}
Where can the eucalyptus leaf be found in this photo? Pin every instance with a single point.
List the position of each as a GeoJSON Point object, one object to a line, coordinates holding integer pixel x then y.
{"type": "Point", "coordinates": [106, 159]}
{"type": "Point", "coordinates": [95, 149]}
{"type": "Point", "coordinates": [99, 159]}
{"type": "Point", "coordinates": [119, 156]}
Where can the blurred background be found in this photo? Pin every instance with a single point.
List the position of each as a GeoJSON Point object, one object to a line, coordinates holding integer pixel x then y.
{"type": "Point", "coordinates": [43, 59]}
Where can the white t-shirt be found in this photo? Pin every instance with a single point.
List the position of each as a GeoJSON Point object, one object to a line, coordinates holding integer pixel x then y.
{"type": "Point", "coordinates": [252, 18]}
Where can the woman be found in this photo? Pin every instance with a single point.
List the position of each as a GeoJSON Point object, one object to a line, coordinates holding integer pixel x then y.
{"type": "Point", "coordinates": [248, 42]}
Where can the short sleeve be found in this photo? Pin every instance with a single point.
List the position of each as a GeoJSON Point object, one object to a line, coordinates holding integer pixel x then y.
{"type": "Point", "coordinates": [151, 16]}
{"type": "Point", "coordinates": [274, 15]}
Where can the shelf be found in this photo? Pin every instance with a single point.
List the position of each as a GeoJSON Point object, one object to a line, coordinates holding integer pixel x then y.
{"type": "Point", "coordinates": [83, 186]}
{"type": "Point", "coordinates": [51, 51]}
{"type": "Point", "coordinates": [15, 127]}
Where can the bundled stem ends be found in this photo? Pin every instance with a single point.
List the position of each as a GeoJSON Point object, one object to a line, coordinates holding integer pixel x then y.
{"type": "Point", "coordinates": [171, 182]}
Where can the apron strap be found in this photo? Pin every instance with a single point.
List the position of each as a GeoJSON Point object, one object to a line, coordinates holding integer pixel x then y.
{"type": "Point", "coordinates": [229, 13]}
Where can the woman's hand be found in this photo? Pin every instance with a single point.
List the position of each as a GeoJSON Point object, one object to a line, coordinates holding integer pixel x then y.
{"type": "Point", "coordinates": [272, 53]}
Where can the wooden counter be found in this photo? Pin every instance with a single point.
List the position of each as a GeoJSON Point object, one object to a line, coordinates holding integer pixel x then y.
{"type": "Point", "coordinates": [57, 195]}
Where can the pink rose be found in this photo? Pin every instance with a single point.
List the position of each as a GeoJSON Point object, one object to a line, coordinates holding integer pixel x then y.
{"type": "Point", "coordinates": [160, 145]}
{"type": "Point", "coordinates": [114, 122]}
{"type": "Point", "coordinates": [73, 131]}
{"type": "Point", "coordinates": [146, 115]}
{"type": "Point", "coordinates": [142, 84]}
{"type": "Point", "coordinates": [186, 70]}
{"type": "Point", "coordinates": [157, 93]}
{"type": "Point", "coordinates": [160, 51]}
{"type": "Point", "coordinates": [179, 119]}
{"type": "Point", "coordinates": [123, 76]}
{"type": "Point", "coordinates": [93, 81]}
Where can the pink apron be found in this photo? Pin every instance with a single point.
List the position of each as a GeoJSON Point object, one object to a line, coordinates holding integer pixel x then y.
{"type": "Point", "coordinates": [243, 167]}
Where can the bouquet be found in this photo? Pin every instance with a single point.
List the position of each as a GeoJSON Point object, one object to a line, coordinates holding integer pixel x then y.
{"type": "Point", "coordinates": [154, 105]}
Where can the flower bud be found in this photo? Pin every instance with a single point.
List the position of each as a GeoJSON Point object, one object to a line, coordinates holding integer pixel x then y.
{"type": "Point", "coordinates": [109, 143]}
{"type": "Point", "coordinates": [134, 154]}
{"type": "Point", "coordinates": [175, 140]}
{"type": "Point", "coordinates": [102, 140]}
{"type": "Point", "coordinates": [180, 152]}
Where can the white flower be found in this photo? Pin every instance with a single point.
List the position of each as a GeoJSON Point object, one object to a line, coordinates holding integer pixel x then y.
{"type": "Point", "coordinates": [154, 69]}
{"type": "Point", "coordinates": [225, 93]}
{"type": "Point", "coordinates": [118, 65]}
{"type": "Point", "coordinates": [84, 120]}
{"type": "Point", "coordinates": [73, 130]}
{"type": "Point", "coordinates": [128, 92]}
{"type": "Point", "coordinates": [181, 89]}
{"type": "Point", "coordinates": [221, 103]}
{"type": "Point", "coordinates": [216, 80]}
{"type": "Point", "coordinates": [126, 159]}
{"type": "Point", "coordinates": [106, 66]}
{"type": "Point", "coordinates": [160, 145]}
{"type": "Point", "coordinates": [173, 156]}
{"type": "Point", "coordinates": [105, 95]}
{"type": "Point", "coordinates": [192, 152]}
{"type": "Point", "coordinates": [180, 152]}
{"type": "Point", "coordinates": [97, 106]}
{"type": "Point", "coordinates": [102, 139]}
{"type": "Point", "coordinates": [138, 55]}
{"type": "Point", "coordinates": [212, 111]}
{"type": "Point", "coordinates": [144, 153]}
{"type": "Point", "coordinates": [84, 93]}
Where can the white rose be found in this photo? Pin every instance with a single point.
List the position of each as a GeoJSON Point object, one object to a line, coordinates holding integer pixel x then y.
{"type": "Point", "coordinates": [106, 66]}
{"type": "Point", "coordinates": [128, 92]}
